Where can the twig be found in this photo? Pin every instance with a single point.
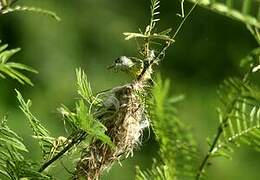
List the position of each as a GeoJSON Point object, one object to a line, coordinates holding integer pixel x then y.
{"type": "Point", "coordinates": [220, 128]}
{"type": "Point", "coordinates": [63, 151]}
{"type": "Point", "coordinates": [168, 43]}
{"type": "Point", "coordinates": [215, 141]}
{"type": "Point", "coordinates": [205, 160]}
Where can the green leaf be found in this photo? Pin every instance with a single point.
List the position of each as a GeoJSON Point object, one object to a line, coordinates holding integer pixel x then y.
{"type": "Point", "coordinates": [84, 88]}
{"type": "Point", "coordinates": [178, 153]}
{"type": "Point", "coordinates": [40, 132]}
{"type": "Point", "coordinates": [10, 138]}
{"type": "Point", "coordinates": [252, 60]}
{"type": "Point", "coordinates": [31, 9]}
{"type": "Point", "coordinates": [12, 163]}
{"type": "Point", "coordinates": [82, 119]}
{"type": "Point", "coordinates": [21, 66]}
{"type": "Point", "coordinates": [11, 68]}
{"type": "Point", "coordinates": [7, 54]}
{"type": "Point", "coordinates": [166, 31]}
{"type": "Point", "coordinates": [131, 35]}
{"type": "Point", "coordinates": [239, 117]}
{"type": "Point", "coordinates": [244, 14]}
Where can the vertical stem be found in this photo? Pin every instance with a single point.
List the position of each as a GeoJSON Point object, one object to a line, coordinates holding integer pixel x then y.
{"type": "Point", "coordinates": [217, 137]}
{"type": "Point", "coordinates": [205, 160]}
{"type": "Point", "coordinates": [221, 127]}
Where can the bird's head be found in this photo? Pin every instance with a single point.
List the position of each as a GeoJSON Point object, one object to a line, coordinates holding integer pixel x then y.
{"type": "Point", "coordinates": [122, 63]}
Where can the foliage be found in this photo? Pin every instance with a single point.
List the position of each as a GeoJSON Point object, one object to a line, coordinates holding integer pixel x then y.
{"type": "Point", "coordinates": [11, 68]}
{"type": "Point", "coordinates": [242, 124]}
{"type": "Point", "coordinates": [13, 164]}
{"type": "Point", "coordinates": [243, 11]}
{"type": "Point", "coordinates": [84, 127]}
{"type": "Point", "coordinates": [82, 123]}
{"type": "Point", "coordinates": [239, 114]}
{"type": "Point", "coordinates": [40, 132]}
{"type": "Point", "coordinates": [238, 120]}
{"type": "Point", "coordinates": [83, 118]}
{"type": "Point", "coordinates": [149, 38]}
{"type": "Point", "coordinates": [99, 123]}
{"type": "Point", "coordinates": [6, 6]}
{"type": "Point", "coordinates": [178, 152]}
{"type": "Point", "coordinates": [246, 12]}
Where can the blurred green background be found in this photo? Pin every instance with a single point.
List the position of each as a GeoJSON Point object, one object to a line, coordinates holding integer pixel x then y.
{"type": "Point", "coordinates": [207, 50]}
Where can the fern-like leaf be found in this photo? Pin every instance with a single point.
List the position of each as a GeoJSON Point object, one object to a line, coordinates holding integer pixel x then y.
{"type": "Point", "coordinates": [252, 60]}
{"type": "Point", "coordinates": [238, 120]}
{"type": "Point", "coordinates": [155, 36]}
{"type": "Point", "coordinates": [40, 132]}
{"type": "Point", "coordinates": [177, 146]}
{"type": "Point", "coordinates": [84, 117]}
{"type": "Point", "coordinates": [83, 121]}
{"type": "Point", "coordinates": [30, 9]}
{"type": "Point", "coordinates": [159, 171]}
{"type": "Point", "coordinates": [84, 88]}
{"type": "Point", "coordinates": [11, 68]}
{"type": "Point", "coordinates": [242, 124]}
{"type": "Point", "coordinates": [155, 5]}
{"type": "Point", "coordinates": [12, 163]}
{"type": "Point", "coordinates": [247, 11]}
{"type": "Point", "coordinates": [151, 40]}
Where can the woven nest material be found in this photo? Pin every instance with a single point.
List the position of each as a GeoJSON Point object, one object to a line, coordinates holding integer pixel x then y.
{"type": "Point", "coordinates": [124, 123]}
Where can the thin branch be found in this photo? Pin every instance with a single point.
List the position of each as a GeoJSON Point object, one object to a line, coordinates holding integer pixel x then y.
{"type": "Point", "coordinates": [205, 160]}
{"type": "Point", "coordinates": [216, 139]}
{"type": "Point", "coordinates": [74, 141]}
{"type": "Point", "coordinates": [168, 43]}
{"type": "Point", "coordinates": [185, 18]}
{"type": "Point", "coordinates": [221, 127]}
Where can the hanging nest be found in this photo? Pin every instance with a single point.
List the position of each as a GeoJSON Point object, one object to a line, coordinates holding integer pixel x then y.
{"type": "Point", "coordinates": [125, 120]}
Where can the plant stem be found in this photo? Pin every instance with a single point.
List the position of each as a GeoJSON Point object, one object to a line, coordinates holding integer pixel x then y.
{"type": "Point", "coordinates": [81, 136]}
{"type": "Point", "coordinates": [219, 133]}
{"type": "Point", "coordinates": [161, 52]}
{"type": "Point", "coordinates": [221, 127]}
{"type": "Point", "coordinates": [205, 160]}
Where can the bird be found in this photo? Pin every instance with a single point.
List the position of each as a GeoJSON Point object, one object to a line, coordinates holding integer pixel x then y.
{"type": "Point", "coordinates": [130, 65]}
